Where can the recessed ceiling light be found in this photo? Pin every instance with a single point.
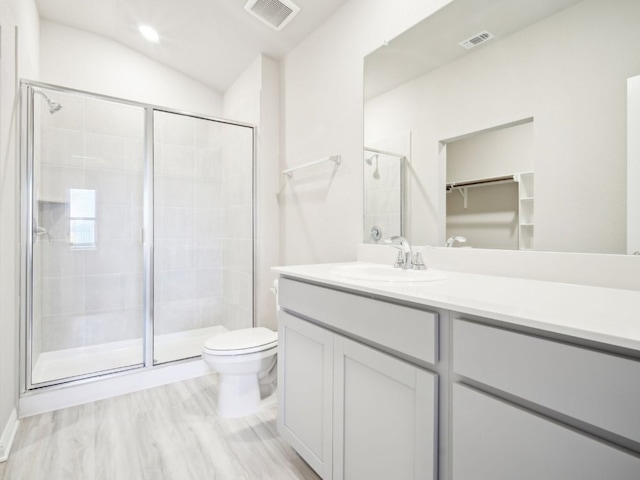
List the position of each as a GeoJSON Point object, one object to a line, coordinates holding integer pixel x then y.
{"type": "Point", "coordinates": [149, 33]}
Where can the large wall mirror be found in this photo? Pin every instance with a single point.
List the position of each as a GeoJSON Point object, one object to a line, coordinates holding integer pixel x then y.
{"type": "Point", "coordinates": [509, 120]}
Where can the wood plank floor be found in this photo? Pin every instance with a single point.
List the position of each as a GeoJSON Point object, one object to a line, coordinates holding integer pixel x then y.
{"type": "Point", "coordinates": [168, 432]}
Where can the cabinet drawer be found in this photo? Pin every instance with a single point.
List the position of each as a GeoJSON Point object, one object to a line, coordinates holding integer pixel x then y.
{"type": "Point", "coordinates": [406, 330]}
{"type": "Point", "coordinates": [598, 388]}
{"type": "Point", "coordinates": [495, 440]}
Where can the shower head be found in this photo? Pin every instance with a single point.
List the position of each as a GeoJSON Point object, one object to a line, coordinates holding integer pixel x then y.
{"type": "Point", "coordinates": [371, 159]}
{"type": "Point", "coordinates": [53, 106]}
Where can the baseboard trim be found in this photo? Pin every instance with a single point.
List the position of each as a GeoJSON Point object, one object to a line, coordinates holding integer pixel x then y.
{"type": "Point", "coordinates": [77, 393]}
{"type": "Point", "coordinates": [8, 435]}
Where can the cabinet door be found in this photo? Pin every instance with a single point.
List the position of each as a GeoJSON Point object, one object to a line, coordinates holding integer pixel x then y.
{"type": "Point", "coordinates": [384, 416]}
{"type": "Point", "coordinates": [495, 440]}
{"type": "Point", "coordinates": [305, 391]}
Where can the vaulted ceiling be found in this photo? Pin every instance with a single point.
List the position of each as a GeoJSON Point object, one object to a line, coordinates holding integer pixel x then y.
{"type": "Point", "coordinates": [212, 41]}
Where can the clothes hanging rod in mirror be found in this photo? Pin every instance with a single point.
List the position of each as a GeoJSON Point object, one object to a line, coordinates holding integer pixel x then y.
{"type": "Point", "coordinates": [337, 159]}
{"type": "Point", "coordinates": [384, 152]}
{"type": "Point", "coordinates": [480, 182]}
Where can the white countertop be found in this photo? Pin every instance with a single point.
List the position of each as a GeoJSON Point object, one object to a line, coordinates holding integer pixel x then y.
{"type": "Point", "coordinates": [606, 315]}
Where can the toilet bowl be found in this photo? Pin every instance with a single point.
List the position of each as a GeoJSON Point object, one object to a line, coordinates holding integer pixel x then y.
{"type": "Point", "coordinates": [239, 356]}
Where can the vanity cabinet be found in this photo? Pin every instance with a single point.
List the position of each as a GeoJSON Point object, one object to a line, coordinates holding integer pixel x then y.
{"type": "Point", "coordinates": [384, 416]}
{"type": "Point", "coordinates": [494, 439]}
{"type": "Point", "coordinates": [530, 407]}
{"type": "Point", "coordinates": [376, 389]}
{"type": "Point", "coordinates": [348, 405]}
{"type": "Point", "coordinates": [305, 390]}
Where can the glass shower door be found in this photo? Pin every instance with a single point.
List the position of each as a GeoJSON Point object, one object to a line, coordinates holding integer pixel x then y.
{"type": "Point", "coordinates": [203, 232]}
{"type": "Point", "coordinates": [86, 186]}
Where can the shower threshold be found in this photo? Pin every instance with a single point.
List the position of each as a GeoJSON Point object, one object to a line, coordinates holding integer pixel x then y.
{"type": "Point", "coordinates": [73, 362]}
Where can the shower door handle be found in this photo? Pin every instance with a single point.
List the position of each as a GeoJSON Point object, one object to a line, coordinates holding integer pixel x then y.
{"type": "Point", "coordinates": [38, 230]}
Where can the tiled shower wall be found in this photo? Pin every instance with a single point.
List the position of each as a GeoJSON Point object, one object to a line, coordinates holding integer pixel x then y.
{"type": "Point", "coordinates": [203, 231]}
{"type": "Point", "coordinates": [203, 225]}
{"type": "Point", "coordinates": [188, 223]}
{"type": "Point", "coordinates": [237, 224]}
{"type": "Point", "coordinates": [91, 294]}
{"type": "Point", "coordinates": [382, 196]}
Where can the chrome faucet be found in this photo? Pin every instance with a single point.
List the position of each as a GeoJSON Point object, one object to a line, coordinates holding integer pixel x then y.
{"type": "Point", "coordinates": [404, 259]}
{"type": "Point", "coordinates": [457, 238]}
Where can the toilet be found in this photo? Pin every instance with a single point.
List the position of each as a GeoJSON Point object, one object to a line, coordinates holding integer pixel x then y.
{"type": "Point", "coordinates": [240, 356]}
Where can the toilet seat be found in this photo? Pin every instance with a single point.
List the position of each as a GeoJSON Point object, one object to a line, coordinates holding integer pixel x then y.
{"type": "Point", "coordinates": [240, 342]}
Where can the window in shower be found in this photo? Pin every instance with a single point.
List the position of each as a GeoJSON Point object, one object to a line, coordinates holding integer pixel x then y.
{"type": "Point", "coordinates": [82, 218]}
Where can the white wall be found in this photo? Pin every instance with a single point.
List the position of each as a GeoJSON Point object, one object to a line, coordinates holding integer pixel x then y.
{"type": "Point", "coordinates": [321, 208]}
{"type": "Point", "coordinates": [491, 154]}
{"type": "Point", "coordinates": [254, 98]}
{"type": "Point", "coordinates": [85, 61]}
{"type": "Point", "coordinates": [633, 165]}
{"type": "Point", "coordinates": [21, 14]}
{"type": "Point", "coordinates": [322, 113]}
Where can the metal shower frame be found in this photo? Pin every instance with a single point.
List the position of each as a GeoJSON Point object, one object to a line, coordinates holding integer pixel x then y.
{"type": "Point", "coordinates": [28, 88]}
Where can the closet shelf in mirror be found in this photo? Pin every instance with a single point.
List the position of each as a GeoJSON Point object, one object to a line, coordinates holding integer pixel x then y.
{"type": "Point", "coordinates": [480, 182]}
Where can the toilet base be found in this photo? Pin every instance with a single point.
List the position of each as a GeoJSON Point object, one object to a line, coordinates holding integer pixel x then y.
{"type": "Point", "coordinates": [238, 384]}
{"type": "Point", "coordinates": [238, 395]}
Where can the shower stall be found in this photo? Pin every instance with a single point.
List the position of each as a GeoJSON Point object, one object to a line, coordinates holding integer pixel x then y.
{"type": "Point", "coordinates": [138, 229]}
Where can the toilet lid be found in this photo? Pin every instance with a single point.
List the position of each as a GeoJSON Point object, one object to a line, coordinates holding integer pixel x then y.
{"type": "Point", "coordinates": [245, 340]}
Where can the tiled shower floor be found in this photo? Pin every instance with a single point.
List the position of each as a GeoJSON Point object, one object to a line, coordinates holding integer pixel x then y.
{"type": "Point", "coordinates": [108, 356]}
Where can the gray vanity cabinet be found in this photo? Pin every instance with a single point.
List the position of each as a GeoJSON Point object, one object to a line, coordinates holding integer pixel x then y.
{"type": "Point", "coordinates": [530, 407]}
{"type": "Point", "coordinates": [494, 439]}
{"type": "Point", "coordinates": [375, 387]}
{"type": "Point", "coordinates": [384, 416]}
{"type": "Point", "coordinates": [305, 390]}
{"type": "Point", "coordinates": [350, 407]}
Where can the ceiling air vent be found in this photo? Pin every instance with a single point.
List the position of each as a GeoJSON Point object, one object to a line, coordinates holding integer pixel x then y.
{"type": "Point", "coordinates": [275, 13]}
{"type": "Point", "coordinates": [476, 40]}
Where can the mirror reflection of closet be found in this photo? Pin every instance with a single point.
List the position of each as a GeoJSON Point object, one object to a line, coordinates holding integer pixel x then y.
{"type": "Point", "coordinates": [490, 197]}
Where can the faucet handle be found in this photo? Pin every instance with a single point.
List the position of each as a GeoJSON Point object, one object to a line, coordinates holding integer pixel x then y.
{"type": "Point", "coordinates": [456, 238]}
{"type": "Point", "coordinates": [405, 251]}
{"type": "Point", "coordinates": [399, 259]}
{"type": "Point", "coordinates": [418, 262]}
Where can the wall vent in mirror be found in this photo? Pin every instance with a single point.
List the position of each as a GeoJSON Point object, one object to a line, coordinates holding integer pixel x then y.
{"type": "Point", "coordinates": [476, 40]}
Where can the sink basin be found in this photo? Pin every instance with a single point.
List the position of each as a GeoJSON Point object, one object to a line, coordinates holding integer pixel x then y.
{"type": "Point", "coordinates": [384, 273]}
